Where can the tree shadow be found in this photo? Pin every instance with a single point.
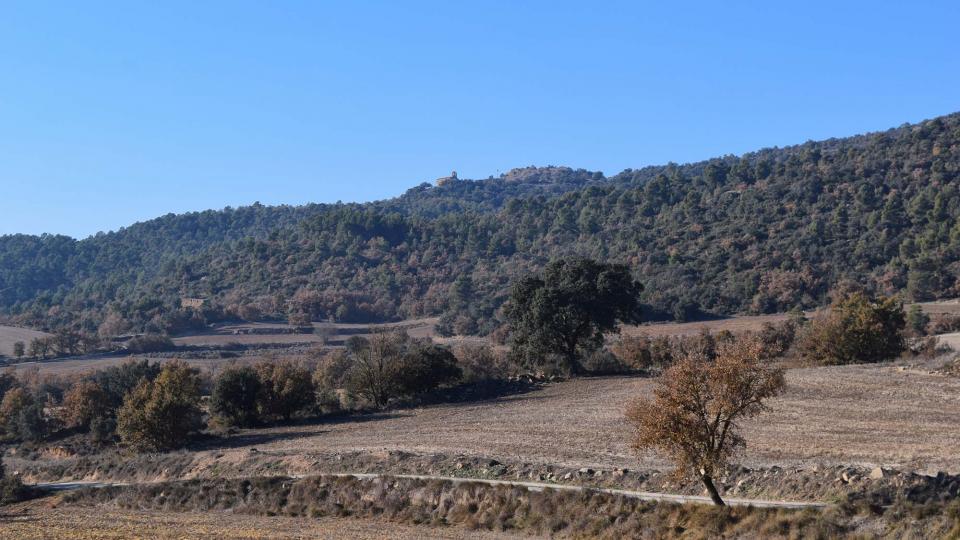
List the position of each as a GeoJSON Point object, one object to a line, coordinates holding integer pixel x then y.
{"type": "Point", "coordinates": [475, 392]}
{"type": "Point", "coordinates": [281, 431]}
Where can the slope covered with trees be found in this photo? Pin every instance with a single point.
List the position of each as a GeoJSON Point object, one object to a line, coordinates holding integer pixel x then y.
{"type": "Point", "coordinates": [762, 232]}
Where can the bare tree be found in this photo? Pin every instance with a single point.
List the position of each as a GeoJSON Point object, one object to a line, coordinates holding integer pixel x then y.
{"type": "Point", "coordinates": [693, 415]}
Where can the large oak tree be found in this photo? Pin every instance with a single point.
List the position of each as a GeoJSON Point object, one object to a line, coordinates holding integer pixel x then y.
{"type": "Point", "coordinates": [567, 311]}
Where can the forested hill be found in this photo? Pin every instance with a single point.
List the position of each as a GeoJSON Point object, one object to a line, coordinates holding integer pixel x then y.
{"type": "Point", "coordinates": [763, 232]}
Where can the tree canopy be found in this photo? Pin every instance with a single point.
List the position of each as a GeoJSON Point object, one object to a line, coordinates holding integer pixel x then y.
{"type": "Point", "coordinates": [567, 311]}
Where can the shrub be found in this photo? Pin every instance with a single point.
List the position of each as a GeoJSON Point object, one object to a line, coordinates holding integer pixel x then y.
{"type": "Point", "coordinates": [917, 320]}
{"type": "Point", "coordinates": [777, 338]}
{"type": "Point", "coordinates": [329, 377]}
{"type": "Point", "coordinates": [103, 429]}
{"type": "Point", "coordinates": [642, 353]}
{"type": "Point", "coordinates": [286, 389]}
{"type": "Point", "coordinates": [944, 323]}
{"type": "Point", "coordinates": [84, 402]}
{"type": "Point", "coordinates": [424, 368]}
{"type": "Point", "coordinates": [604, 362]}
{"type": "Point", "coordinates": [12, 490]}
{"type": "Point", "coordinates": [150, 343]}
{"type": "Point", "coordinates": [391, 365]}
{"type": "Point", "coordinates": [856, 329]}
{"type": "Point", "coordinates": [928, 347]}
{"type": "Point", "coordinates": [480, 363]}
{"type": "Point", "coordinates": [118, 381]}
{"type": "Point", "coordinates": [7, 382]}
{"type": "Point", "coordinates": [21, 415]}
{"type": "Point", "coordinates": [234, 396]}
{"type": "Point", "coordinates": [162, 414]}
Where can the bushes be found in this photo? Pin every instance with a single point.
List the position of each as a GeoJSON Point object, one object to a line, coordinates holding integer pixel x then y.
{"type": "Point", "coordinates": [84, 402]}
{"type": "Point", "coordinates": [21, 415]}
{"type": "Point", "coordinates": [480, 363]}
{"type": "Point", "coordinates": [285, 389]}
{"type": "Point", "coordinates": [643, 353]}
{"type": "Point", "coordinates": [856, 329]}
{"type": "Point", "coordinates": [386, 367]}
{"type": "Point", "coordinates": [235, 395]}
{"type": "Point", "coordinates": [150, 343]}
{"type": "Point", "coordinates": [117, 381]}
{"type": "Point", "coordinates": [472, 505]}
{"type": "Point", "coordinates": [424, 368]}
{"type": "Point", "coordinates": [162, 414]}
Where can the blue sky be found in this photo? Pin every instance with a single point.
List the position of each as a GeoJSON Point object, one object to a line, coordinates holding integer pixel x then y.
{"type": "Point", "coordinates": [111, 113]}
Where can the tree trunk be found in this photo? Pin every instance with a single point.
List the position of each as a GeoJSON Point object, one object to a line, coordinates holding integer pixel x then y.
{"type": "Point", "coordinates": [714, 494]}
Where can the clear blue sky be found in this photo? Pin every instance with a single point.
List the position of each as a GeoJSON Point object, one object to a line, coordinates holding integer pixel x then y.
{"type": "Point", "coordinates": [112, 113]}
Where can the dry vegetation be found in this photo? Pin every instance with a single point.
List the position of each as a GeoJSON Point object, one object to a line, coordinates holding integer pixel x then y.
{"type": "Point", "coordinates": [50, 518]}
{"type": "Point", "coordinates": [444, 509]}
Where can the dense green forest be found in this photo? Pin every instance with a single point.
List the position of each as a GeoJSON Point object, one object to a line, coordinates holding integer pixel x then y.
{"type": "Point", "coordinates": [758, 233]}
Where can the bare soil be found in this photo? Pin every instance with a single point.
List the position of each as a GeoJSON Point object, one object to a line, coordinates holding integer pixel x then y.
{"type": "Point", "coordinates": [874, 415]}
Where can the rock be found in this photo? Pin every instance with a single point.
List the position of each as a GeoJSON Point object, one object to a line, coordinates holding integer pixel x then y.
{"type": "Point", "coordinates": [848, 477]}
{"type": "Point", "coordinates": [877, 473]}
{"type": "Point", "coordinates": [585, 470]}
{"type": "Point", "coordinates": [568, 476]}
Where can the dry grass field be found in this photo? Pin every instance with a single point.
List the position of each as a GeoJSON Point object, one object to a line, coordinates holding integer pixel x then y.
{"type": "Point", "coordinates": [11, 334]}
{"type": "Point", "coordinates": [867, 415]}
{"type": "Point", "coordinates": [733, 324]}
{"type": "Point", "coordinates": [45, 519]}
{"type": "Point", "coordinates": [266, 333]}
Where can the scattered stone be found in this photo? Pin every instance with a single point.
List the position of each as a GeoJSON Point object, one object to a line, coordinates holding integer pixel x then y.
{"type": "Point", "coordinates": [877, 473]}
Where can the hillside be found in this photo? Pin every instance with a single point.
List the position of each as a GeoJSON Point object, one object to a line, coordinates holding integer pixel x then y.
{"type": "Point", "coordinates": [758, 233]}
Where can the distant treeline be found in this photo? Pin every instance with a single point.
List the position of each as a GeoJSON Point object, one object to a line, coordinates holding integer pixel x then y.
{"type": "Point", "coordinates": [765, 232]}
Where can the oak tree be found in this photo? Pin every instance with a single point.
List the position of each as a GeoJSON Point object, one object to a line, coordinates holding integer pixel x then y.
{"type": "Point", "coordinates": [567, 311]}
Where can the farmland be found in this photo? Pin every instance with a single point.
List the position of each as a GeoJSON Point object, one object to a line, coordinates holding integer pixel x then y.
{"type": "Point", "coordinates": [11, 334]}
{"type": "Point", "coordinates": [878, 415]}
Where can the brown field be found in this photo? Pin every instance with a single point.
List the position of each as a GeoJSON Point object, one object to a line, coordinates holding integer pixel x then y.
{"type": "Point", "coordinates": [12, 334]}
{"type": "Point", "coordinates": [867, 415]}
{"type": "Point", "coordinates": [46, 519]}
{"type": "Point", "coordinates": [894, 416]}
{"type": "Point", "coordinates": [733, 324]}
{"type": "Point", "coordinates": [256, 333]}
